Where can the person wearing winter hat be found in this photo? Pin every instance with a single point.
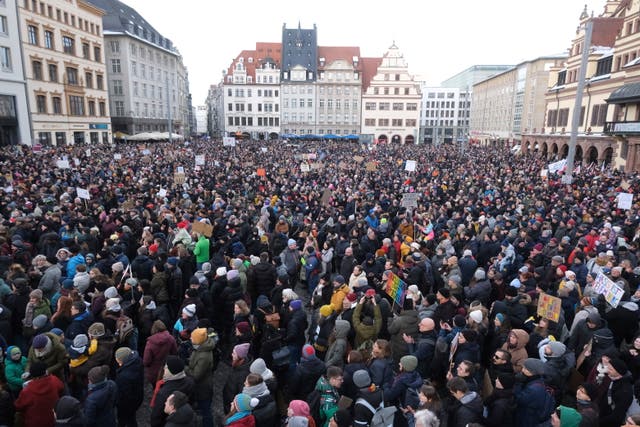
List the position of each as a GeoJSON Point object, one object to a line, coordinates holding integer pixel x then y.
{"type": "Point", "coordinates": [240, 367]}
{"type": "Point", "coordinates": [297, 412]}
{"type": "Point", "coordinates": [306, 373]}
{"type": "Point", "coordinates": [47, 348]}
{"type": "Point", "coordinates": [173, 379]}
{"type": "Point", "coordinates": [407, 378]}
{"type": "Point", "coordinates": [68, 411]}
{"type": "Point", "coordinates": [201, 370]}
{"type": "Point", "coordinates": [39, 396]}
{"type": "Point", "coordinates": [240, 414]}
{"type": "Point", "coordinates": [499, 404]}
{"type": "Point", "coordinates": [587, 404]}
{"type": "Point", "coordinates": [35, 307]}
{"type": "Point", "coordinates": [14, 366]}
{"type": "Point", "coordinates": [565, 417]}
{"type": "Point", "coordinates": [187, 322]}
{"type": "Point", "coordinates": [619, 395]}
{"type": "Point", "coordinates": [259, 367]}
{"type": "Point", "coordinates": [103, 392]}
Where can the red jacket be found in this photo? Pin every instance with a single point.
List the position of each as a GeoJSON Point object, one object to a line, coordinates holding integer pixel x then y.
{"type": "Point", "coordinates": [156, 350]}
{"type": "Point", "coordinates": [37, 400]}
{"type": "Point", "coordinates": [248, 421]}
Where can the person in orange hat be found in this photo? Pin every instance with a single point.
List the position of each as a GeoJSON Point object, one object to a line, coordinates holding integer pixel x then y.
{"type": "Point", "coordinates": [201, 370]}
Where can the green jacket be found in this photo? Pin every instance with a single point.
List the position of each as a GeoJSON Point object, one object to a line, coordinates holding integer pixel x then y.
{"type": "Point", "coordinates": [201, 369]}
{"type": "Point", "coordinates": [328, 400]}
{"type": "Point", "coordinates": [56, 359]}
{"type": "Point", "coordinates": [13, 372]}
{"type": "Point", "coordinates": [43, 308]}
{"type": "Point", "coordinates": [201, 251]}
{"type": "Point", "coordinates": [366, 332]}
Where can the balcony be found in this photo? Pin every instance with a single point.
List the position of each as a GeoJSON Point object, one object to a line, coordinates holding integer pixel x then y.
{"type": "Point", "coordinates": [622, 128]}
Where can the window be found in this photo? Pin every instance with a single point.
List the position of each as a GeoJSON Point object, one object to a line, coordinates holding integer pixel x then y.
{"type": "Point", "coordinates": [97, 54]}
{"type": "Point", "coordinates": [48, 39]}
{"type": "Point", "coordinates": [53, 73]}
{"type": "Point", "coordinates": [41, 104]}
{"type": "Point", "coordinates": [117, 87]}
{"type": "Point", "coordinates": [5, 58]}
{"type": "Point", "coordinates": [36, 67]}
{"type": "Point", "coordinates": [99, 81]}
{"type": "Point", "coordinates": [309, 102]}
{"type": "Point", "coordinates": [230, 107]}
{"type": "Point", "coordinates": [88, 79]}
{"type": "Point", "coordinates": [3, 25]}
{"type": "Point", "coordinates": [67, 45]}
{"type": "Point", "coordinates": [115, 66]}
{"type": "Point", "coordinates": [604, 66]}
{"type": "Point", "coordinates": [410, 122]}
{"type": "Point", "coordinates": [115, 46]}
{"type": "Point", "coordinates": [119, 106]}
{"type": "Point", "coordinates": [397, 106]}
{"type": "Point", "coordinates": [599, 115]}
{"type": "Point", "coordinates": [143, 71]}
{"type": "Point", "coordinates": [85, 51]}
{"type": "Point", "coordinates": [370, 106]}
{"type": "Point", "coordinates": [135, 88]}
{"type": "Point", "coordinates": [32, 34]}
{"type": "Point", "coordinates": [369, 122]}
{"type": "Point", "coordinates": [412, 106]}
{"type": "Point", "coordinates": [396, 122]}
{"type": "Point", "coordinates": [57, 105]}
{"type": "Point", "coordinates": [134, 68]}
{"type": "Point", "coordinates": [383, 106]}
{"type": "Point", "coordinates": [144, 90]}
{"type": "Point", "coordinates": [72, 76]}
{"type": "Point", "coordinates": [133, 48]}
{"type": "Point", "coordinates": [103, 108]}
{"type": "Point", "coordinates": [92, 108]}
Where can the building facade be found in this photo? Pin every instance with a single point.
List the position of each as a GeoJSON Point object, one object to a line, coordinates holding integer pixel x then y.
{"type": "Point", "coordinates": [251, 93]}
{"type": "Point", "coordinates": [444, 115]}
{"type": "Point", "coordinates": [215, 110]}
{"type": "Point", "coordinates": [200, 114]}
{"type": "Point", "coordinates": [391, 101]}
{"type": "Point", "coordinates": [508, 104]}
{"type": "Point", "coordinates": [339, 89]}
{"type": "Point", "coordinates": [147, 81]}
{"type": "Point", "coordinates": [298, 74]}
{"type": "Point", "coordinates": [62, 44]}
{"type": "Point", "coordinates": [14, 111]}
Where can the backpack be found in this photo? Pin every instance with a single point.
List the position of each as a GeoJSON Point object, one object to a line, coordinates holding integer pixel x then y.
{"type": "Point", "coordinates": [382, 416]}
{"type": "Point", "coordinates": [314, 399]}
{"type": "Point", "coordinates": [124, 328]}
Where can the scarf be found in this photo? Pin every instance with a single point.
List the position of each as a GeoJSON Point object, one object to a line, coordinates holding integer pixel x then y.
{"type": "Point", "coordinates": [173, 377]}
{"type": "Point", "coordinates": [28, 315]}
{"type": "Point", "coordinates": [74, 363]}
{"type": "Point", "coordinates": [237, 416]}
{"type": "Point", "coordinates": [46, 350]}
{"type": "Point", "coordinates": [156, 389]}
{"type": "Point", "coordinates": [93, 346]}
{"type": "Point", "coordinates": [257, 390]}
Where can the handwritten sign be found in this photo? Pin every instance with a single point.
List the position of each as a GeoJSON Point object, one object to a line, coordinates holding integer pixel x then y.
{"type": "Point", "coordinates": [358, 159]}
{"type": "Point", "coordinates": [200, 160]}
{"type": "Point", "coordinates": [371, 166]}
{"type": "Point", "coordinates": [162, 192]}
{"type": "Point", "coordinates": [326, 197]}
{"type": "Point", "coordinates": [202, 228]}
{"type": "Point", "coordinates": [607, 287]}
{"type": "Point", "coordinates": [304, 167]}
{"type": "Point", "coordinates": [228, 141]}
{"type": "Point", "coordinates": [625, 200]}
{"type": "Point", "coordinates": [62, 164]}
{"type": "Point", "coordinates": [410, 200]}
{"type": "Point", "coordinates": [549, 307]}
{"type": "Point", "coordinates": [179, 178]}
{"type": "Point", "coordinates": [410, 166]}
{"type": "Point", "coordinates": [117, 156]}
{"type": "Point", "coordinates": [83, 193]}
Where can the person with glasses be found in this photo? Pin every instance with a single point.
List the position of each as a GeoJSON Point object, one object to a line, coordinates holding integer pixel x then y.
{"type": "Point", "coordinates": [500, 364]}
{"type": "Point", "coordinates": [328, 386]}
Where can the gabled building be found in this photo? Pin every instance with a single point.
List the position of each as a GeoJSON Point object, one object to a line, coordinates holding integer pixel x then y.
{"type": "Point", "coordinates": [339, 87]}
{"type": "Point", "coordinates": [391, 101]}
{"type": "Point", "coordinates": [62, 47]}
{"type": "Point", "coordinates": [14, 110]}
{"type": "Point", "coordinates": [251, 93]}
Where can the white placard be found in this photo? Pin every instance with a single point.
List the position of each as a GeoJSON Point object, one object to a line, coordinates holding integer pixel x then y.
{"type": "Point", "coordinates": [557, 166]}
{"type": "Point", "coordinates": [228, 141]}
{"type": "Point", "coordinates": [304, 167]}
{"type": "Point", "coordinates": [410, 200]}
{"type": "Point", "coordinates": [625, 200]}
{"type": "Point", "coordinates": [76, 161]}
{"type": "Point", "coordinates": [544, 173]}
{"type": "Point", "coordinates": [8, 189]}
{"type": "Point", "coordinates": [180, 169]}
{"type": "Point", "coordinates": [83, 193]}
{"type": "Point", "coordinates": [88, 152]}
{"type": "Point", "coordinates": [117, 156]}
{"type": "Point", "coordinates": [62, 164]}
{"type": "Point", "coordinates": [146, 152]}
{"type": "Point", "coordinates": [263, 149]}
{"type": "Point", "coordinates": [410, 166]}
{"type": "Point", "coordinates": [162, 192]}
{"type": "Point", "coordinates": [200, 160]}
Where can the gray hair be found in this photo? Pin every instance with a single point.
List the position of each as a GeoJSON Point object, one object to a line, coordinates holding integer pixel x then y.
{"type": "Point", "coordinates": [426, 418]}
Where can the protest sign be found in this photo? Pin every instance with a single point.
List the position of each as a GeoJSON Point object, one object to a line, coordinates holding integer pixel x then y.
{"type": "Point", "coordinates": [549, 307]}
{"type": "Point", "coordinates": [544, 173]}
{"type": "Point", "coordinates": [326, 197]}
{"type": "Point", "coordinates": [410, 200]}
{"type": "Point", "coordinates": [162, 192]}
{"type": "Point", "coordinates": [396, 288]}
{"type": "Point", "coordinates": [76, 161]}
{"type": "Point", "coordinates": [146, 152]}
{"type": "Point", "coordinates": [371, 166]}
{"type": "Point", "coordinates": [625, 200]}
{"type": "Point", "coordinates": [88, 152]}
{"type": "Point", "coordinates": [263, 149]}
{"type": "Point", "coordinates": [200, 160]}
{"type": "Point", "coordinates": [83, 193]}
{"type": "Point", "coordinates": [180, 169]}
{"type": "Point", "coordinates": [228, 141]}
{"type": "Point", "coordinates": [282, 171]}
{"type": "Point", "coordinates": [304, 167]}
{"type": "Point", "coordinates": [62, 164]}
{"type": "Point", "coordinates": [607, 287]}
{"type": "Point", "coordinates": [557, 166]}
{"type": "Point", "coordinates": [261, 172]}
{"type": "Point", "coordinates": [410, 166]}
{"type": "Point", "coordinates": [315, 166]}
{"type": "Point", "coordinates": [179, 178]}
{"type": "Point", "coordinates": [358, 159]}
{"type": "Point", "coordinates": [117, 156]}
{"type": "Point", "coordinates": [202, 228]}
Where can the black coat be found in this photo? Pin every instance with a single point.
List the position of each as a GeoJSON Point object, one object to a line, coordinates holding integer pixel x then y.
{"type": "Point", "coordinates": [296, 327]}
{"type": "Point", "coordinates": [304, 378]}
{"type": "Point", "coordinates": [263, 275]}
{"type": "Point", "coordinates": [466, 410]}
{"type": "Point", "coordinates": [235, 382]}
{"type": "Point", "coordinates": [184, 384]}
{"type": "Point", "coordinates": [130, 382]}
{"type": "Point", "coordinates": [622, 396]}
{"type": "Point", "coordinates": [228, 297]}
{"type": "Point", "coordinates": [500, 409]}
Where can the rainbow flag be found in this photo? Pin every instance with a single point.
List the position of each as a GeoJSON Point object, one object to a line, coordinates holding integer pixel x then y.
{"type": "Point", "coordinates": [396, 288]}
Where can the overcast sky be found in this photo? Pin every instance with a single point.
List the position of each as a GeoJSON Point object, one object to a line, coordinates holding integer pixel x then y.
{"type": "Point", "coordinates": [438, 38]}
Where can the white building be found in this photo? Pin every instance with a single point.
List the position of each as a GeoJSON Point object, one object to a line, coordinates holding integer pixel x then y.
{"type": "Point", "coordinates": [200, 113]}
{"type": "Point", "coordinates": [62, 45]}
{"type": "Point", "coordinates": [14, 111]}
{"type": "Point", "coordinates": [444, 115]}
{"type": "Point", "coordinates": [390, 103]}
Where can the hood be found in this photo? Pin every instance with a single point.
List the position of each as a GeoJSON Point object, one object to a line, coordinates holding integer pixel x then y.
{"type": "Point", "coordinates": [183, 416]}
{"type": "Point", "coordinates": [631, 306]}
{"type": "Point", "coordinates": [342, 328]}
{"type": "Point", "coordinates": [469, 397]}
{"type": "Point", "coordinates": [524, 299]}
{"type": "Point", "coordinates": [523, 338]}
{"type": "Point", "coordinates": [411, 379]}
{"type": "Point", "coordinates": [208, 345]}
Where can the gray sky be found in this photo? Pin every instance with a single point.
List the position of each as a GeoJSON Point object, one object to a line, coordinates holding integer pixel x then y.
{"type": "Point", "coordinates": [438, 38]}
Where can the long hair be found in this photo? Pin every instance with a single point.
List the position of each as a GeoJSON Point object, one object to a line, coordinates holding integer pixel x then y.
{"type": "Point", "coordinates": [64, 308]}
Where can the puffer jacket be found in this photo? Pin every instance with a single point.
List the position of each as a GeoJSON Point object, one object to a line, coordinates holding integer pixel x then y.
{"type": "Point", "coordinates": [99, 408]}
{"type": "Point", "coordinates": [130, 382]}
{"type": "Point", "coordinates": [406, 323]}
{"type": "Point", "coordinates": [366, 332]}
{"type": "Point", "coordinates": [158, 347]}
{"type": "Point", "coordinates": [56, 358]}
{"type": "Point", "coordinates": [405, 380]}
{"type": "Point", "coordinates": [201, 369]}
{"type": "Point", "coordinates": [337, 352]}
{"type": "Point", "coordinates": [519, 352]}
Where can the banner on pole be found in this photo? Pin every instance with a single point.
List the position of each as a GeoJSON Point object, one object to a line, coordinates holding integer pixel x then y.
{"type": "Point", "coordinates": [396, 288]}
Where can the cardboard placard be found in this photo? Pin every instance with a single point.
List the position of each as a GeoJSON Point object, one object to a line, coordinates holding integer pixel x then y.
{"type": "Point", "coordinates": [282, 171]}
{"type": "Point", "coordinates": [261, 172]}
{"type": "Point", "coordinates": [326, 197]}
{"type": "Point", "coordinates": [371, 166]}
{"type": "Point", "coordinates": [343, 165]}
{"type": "Point", "coordinates": [179, 178]}
{"type": "Point", "coordinates": [202, 228]}
{"type": "Point", "coordinates": [83, 193]}
{"type": "Point", "coordinates": [127, 205]}
{"type": "Point", "coordinates": [358, 159]}
{"type": "Point", "coordinates": [316, 166]}
{"type": "Point", "coordinates": [549, 307]}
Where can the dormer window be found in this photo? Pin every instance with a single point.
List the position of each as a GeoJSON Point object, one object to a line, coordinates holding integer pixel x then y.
{"type": "Point", "coordinates": [250, 60]}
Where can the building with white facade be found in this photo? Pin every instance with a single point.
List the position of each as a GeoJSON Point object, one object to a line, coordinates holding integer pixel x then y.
{"type": "Point", "coordinates": [251, 93]}
{"type": "Point", "coordinates": [391, 102]}
{"type": "Point", "coordinates": [14, 111]}
{"type": "Point", "coordinates": [200, 113]}
{"type": "Point", "coordinates": [444, 115]}
{"type": "Point", "coordinates": [62, 47]}
{"type": "Point", "coordinates": [339, 89]}
{"type": "Point", "coordinates": [147, 81]}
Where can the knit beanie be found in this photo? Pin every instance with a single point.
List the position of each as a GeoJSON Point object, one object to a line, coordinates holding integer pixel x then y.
{"type": "Point", "coordinates": [361, 378]}
{"type": "Point", "coordinates": [241, 350]}
{"type": "Point", "coordinates": [409, 363]}
{"type": "Point", "coordinates": [476, 316]}
{"type": "Point", "coordinates": [80, 343]}
{"type": "Point", "coordinates": [38, 369]}
{"type": "Point", "coordinates": [123, 353]}
{"type": "Point", "coordinates": [66, 408]}
{"type": "Point", "coordinates": [199, 336]}
{"type": "Point", "coordinates": [258, 366]}
{"type": "Point", "coordinates": [175, 365]}
{"type": "Point", "coordinates": [326, 310]}
{"type": "Point", "coordinates": [14, 353]}
{"type": "Point", "coordinates": [243, 327]}
{"type": "Point", "coordinates": [569, 417]}
{"type": "Point", "coordinates": [244, 402]}
{"type": "Point", "coordinates": [308, 352]}
{"type": "Point", "coordinates": [39, 321]}
{"type": "Point", "coordinates": [296, 304]}
{"type": "Point", "coordinates": [111, 292]}
{"type": "Point", "coordinates": [189, 310]}
{"type": "Point", "coordinates": [98, 374]}
{"type": "Point", "coordinates": [535, 366]}
{"type": "Point", "coordinates": [36, 293]}
{"type": "Point", "coordinates": [299, 408]}
{"type": "Point", "coordinates": [40, 341]}
{"type": "Point", "coordinates": [96, 330]}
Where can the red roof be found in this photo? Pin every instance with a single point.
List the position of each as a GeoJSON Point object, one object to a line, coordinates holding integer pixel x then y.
{"type": "Point", "coordinates": [369, 67]}
{"type": "Point", "coordinates": [334, 53]}
{"type": "Point", "coordinates": [262, 51]}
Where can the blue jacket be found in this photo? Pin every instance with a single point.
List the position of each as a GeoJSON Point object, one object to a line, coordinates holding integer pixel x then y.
{"type": "Point", "coordinates": [130, 382]}
{"type": "Point", "coordinates": [99, 408]}
{"type": "Point", "coordinates": [72, 264]}
{"type": "Point", "coordinates": [402, 382]}
{"type": "Point", "coordinates": [530, 402]}
{"type": "Point", "coordinates": [381, 371]}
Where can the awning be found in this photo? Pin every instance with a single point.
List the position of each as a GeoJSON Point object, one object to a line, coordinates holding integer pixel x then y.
{"type": "Point", "coordinates": [120, 135]}
{"type": "Point", "coordinates": [625, 94]}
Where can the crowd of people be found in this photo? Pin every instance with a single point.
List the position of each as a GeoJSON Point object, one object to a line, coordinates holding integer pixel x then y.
{"type": "Point", "coordinates": [255, 290]}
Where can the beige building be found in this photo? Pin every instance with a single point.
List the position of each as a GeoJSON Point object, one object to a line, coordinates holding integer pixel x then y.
{"type": "Point", "coordinates": [63, 52]}
{"type": "Point", "coordinates": [391, 101]}
{"type": "Point", "coordinates": [512, 102]}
